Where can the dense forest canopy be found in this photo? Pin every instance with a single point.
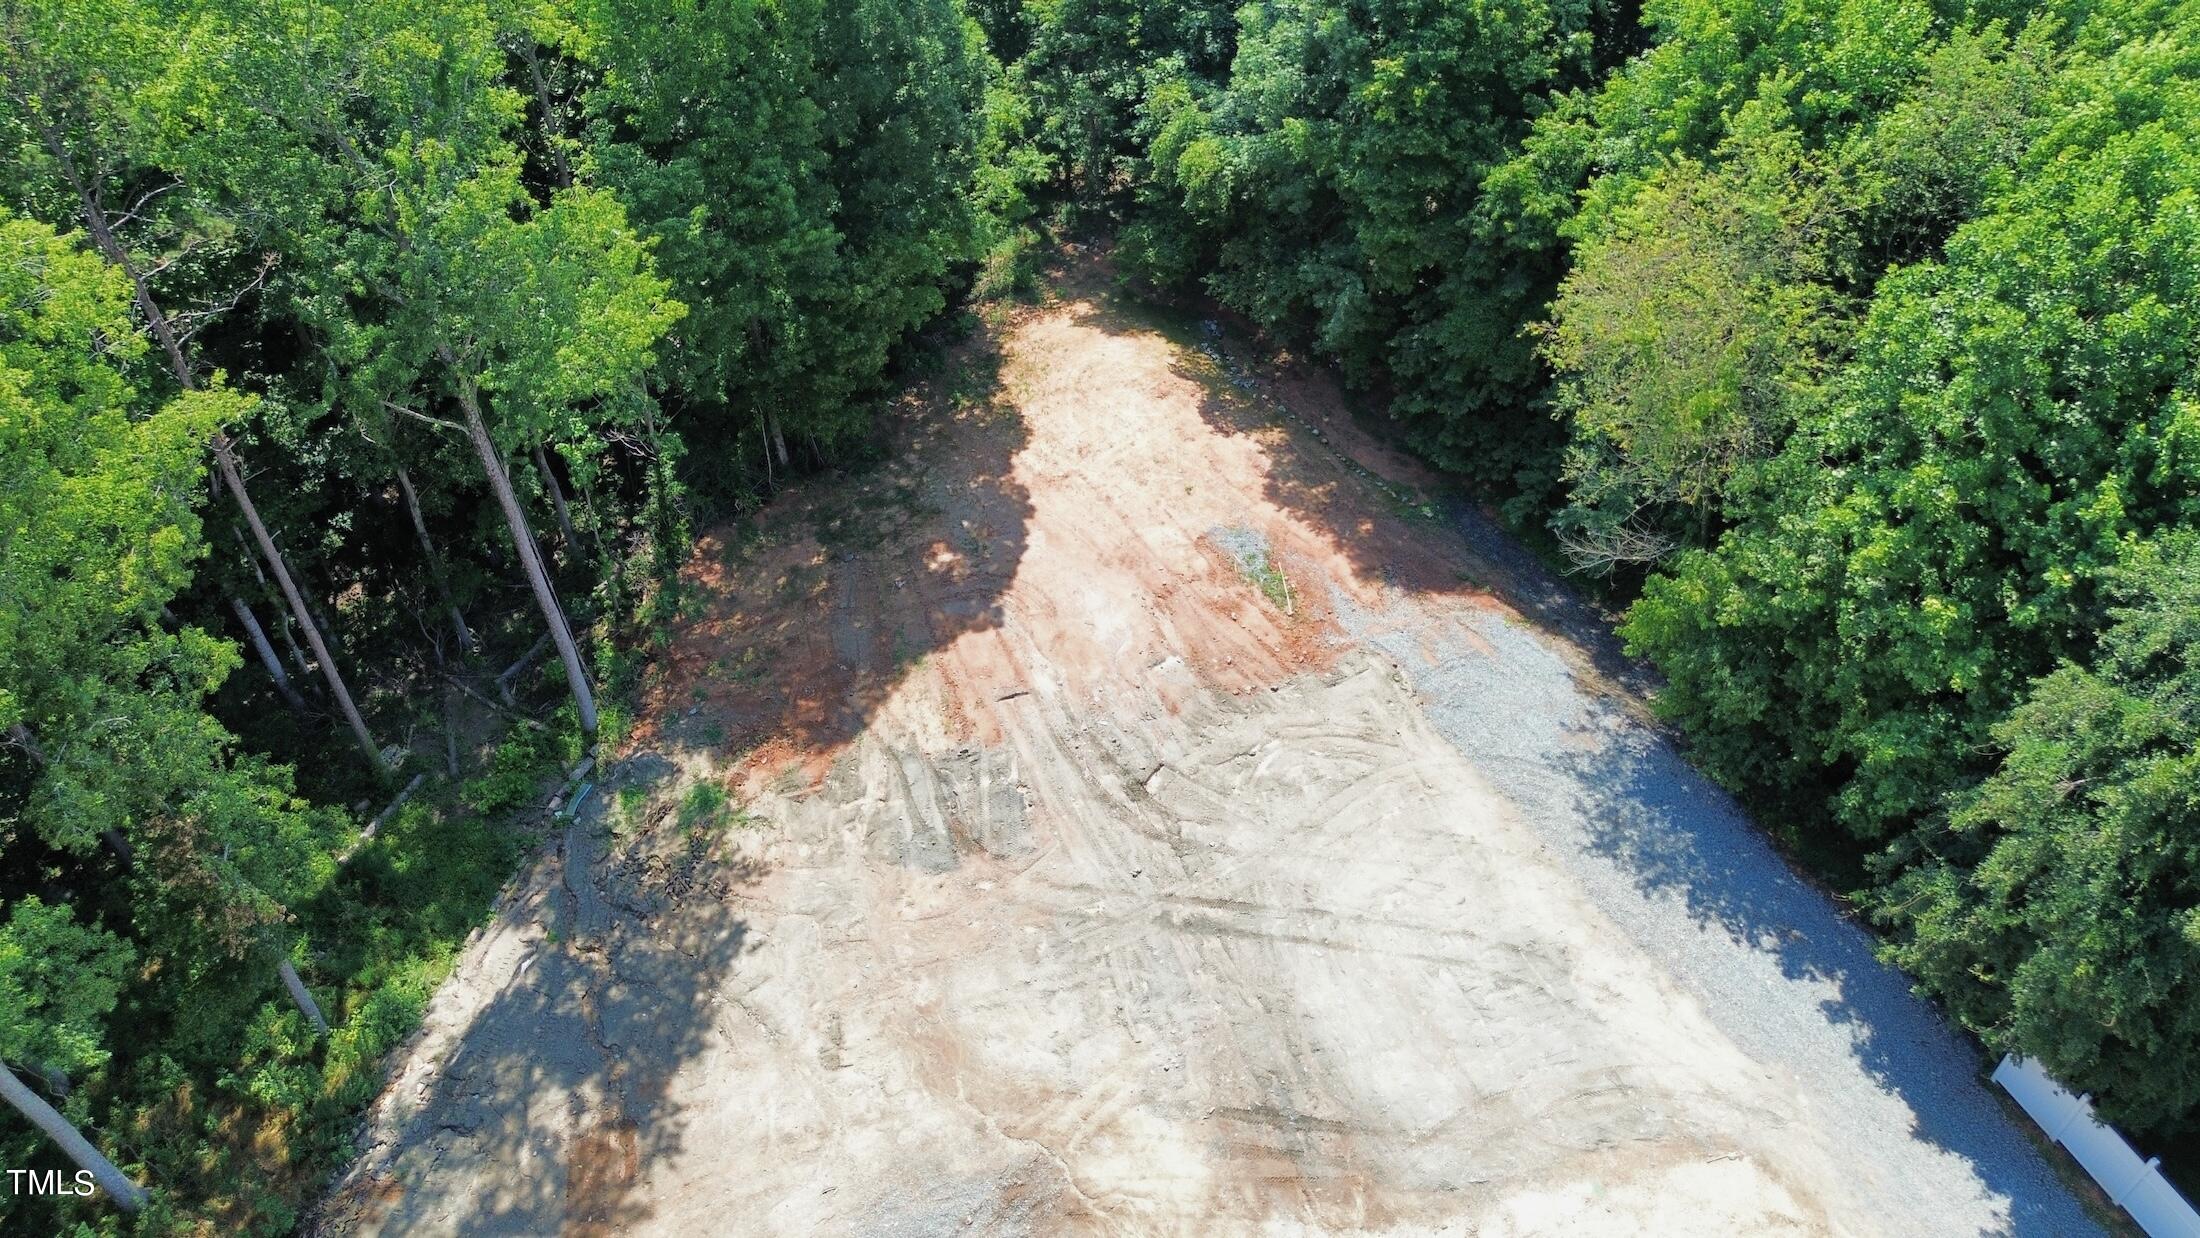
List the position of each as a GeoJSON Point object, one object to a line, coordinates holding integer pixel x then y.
{"type": "Point", "coordinates": [365, 364]}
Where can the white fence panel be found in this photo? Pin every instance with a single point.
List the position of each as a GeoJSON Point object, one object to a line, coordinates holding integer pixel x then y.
{"type": "Point", "coordinates": [2135, 1183]}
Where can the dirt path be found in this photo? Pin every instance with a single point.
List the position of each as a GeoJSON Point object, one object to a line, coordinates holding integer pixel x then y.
{"type": "Point", "coordinates": [1151, 822]}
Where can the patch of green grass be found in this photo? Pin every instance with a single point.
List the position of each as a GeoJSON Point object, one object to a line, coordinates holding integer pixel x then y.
{"type": "Point", "coordinates": [630, 808]}
{"type": "Point", "coordinates": [745, 667]}
{"type": "Point", "coordinates": [1009, 267]}
{"type": "Point", "coordinates": [613, 721]}
{"type": "Point", "coordinates": [515, 770]}
{"type": "Point", "coordinates": [1261, 571]}
{"type": "Point", "coordinates": [706, 806]}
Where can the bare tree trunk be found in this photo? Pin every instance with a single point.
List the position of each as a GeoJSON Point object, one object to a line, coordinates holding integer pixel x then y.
{"type": "Point", "coordinates": [103, 238]}
{"type": "Point", "coordinates": [282, 614]}
{"type": "Point", "coordinates": [504, 680]}
{"type": "Point", "coordinates": [226, 461]}
{"type": "Point", "coordinates": [552, 128]}
{"type": "Point", "coordinates": [127, 1195]}
{"type": "Point", "coordinates": [290, 644]}
{"type": "Point", "coordinates": [435, 561]}
{"type": "Point", "coordinates": [557, 502]}
{"type": "Point", "coordinates": [390, 809]}
{"type": "Point", "coordinates": [306, 1005]}
{"type": "Point", "coordinates": [523, 538]}
{"type": "Point", "coordinates": [779, 441]}
{"type": "Point", "coordinates": [273, 664]}
{"type": "Point", "coordinates": [773, 440]}
{"type": "Point", "coordinates": [319, 606]}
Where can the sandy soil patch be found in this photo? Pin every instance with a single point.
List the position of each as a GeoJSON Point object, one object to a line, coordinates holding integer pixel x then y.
{"type": "Point", "coordinates": [1098, 870]}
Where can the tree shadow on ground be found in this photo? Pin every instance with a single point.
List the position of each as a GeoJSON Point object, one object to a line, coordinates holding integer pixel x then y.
{"type": "Point", "coordinates": [553, 1097]}
{"type": "Point", "coordinates": [1594, 775]}
{"type": "Point", "coordinates": [1392, 517]}
{"type": "Point", "coordinates": [805, 616]}
{"type": "Point", "coordinates": [1671, 835]}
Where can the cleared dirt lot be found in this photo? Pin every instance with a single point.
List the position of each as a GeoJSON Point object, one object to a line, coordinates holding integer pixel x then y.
{"type": "Point", "coordinates": [1157, 819]}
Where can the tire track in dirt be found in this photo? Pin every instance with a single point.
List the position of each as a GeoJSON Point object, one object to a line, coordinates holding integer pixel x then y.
{"type": "Point", "coordinates": [1085, 886]}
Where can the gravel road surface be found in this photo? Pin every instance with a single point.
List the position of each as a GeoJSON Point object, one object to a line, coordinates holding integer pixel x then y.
{"type": "Point", "coordinates": [1669, 857]}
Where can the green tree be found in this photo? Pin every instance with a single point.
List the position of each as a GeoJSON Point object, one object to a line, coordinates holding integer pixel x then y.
{"type": "Point", "coordinates": [98, 529]}
{"type": "Point", "coordinates": [902, 91]}
{"type": "Point", "coordinates": [58, 981]}
{"type": "Point", "coordinates": [1932, 537]}
{"type": "Point", "coordinates": [1684, 339]}
{"type": "Point", "coordinates": [544, 327]}
{"type": "Point", "coordinates": [707, 123]}
{"type": "Point", "coordinates": [84, 89]}
{"type": "Point", "coordinates": [1327, 178]}
{"type": "Point", "coordinates": [1088, 64]}
{"type": "Point", "coordinates": [103, 699]}
{"type": "Point", "coordinates": [807, 173]}
{"type": "Point", "coordinates": [432, 273]}
{"type": "Point", "coordinates": [2054, 911]}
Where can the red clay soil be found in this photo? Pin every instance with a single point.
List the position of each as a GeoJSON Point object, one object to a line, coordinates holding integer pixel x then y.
{"type": "Point", "coordinates": [821, 606]}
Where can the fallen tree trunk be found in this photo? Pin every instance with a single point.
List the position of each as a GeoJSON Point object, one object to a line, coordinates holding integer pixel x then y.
{"type": "Point", "coordinates": [299, 994]}
{"type": "Point", "coordinates": [382, 818]}
{"type": "Point", "coordinates": [128, 1195]}
{"type": "Point", "coordinates": [504, 680]}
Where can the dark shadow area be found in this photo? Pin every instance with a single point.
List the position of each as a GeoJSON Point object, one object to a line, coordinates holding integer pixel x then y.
{"type": "Point", "coordinates": [554, 1098]}
{"type": "Point", "coordinates": [804, 616]}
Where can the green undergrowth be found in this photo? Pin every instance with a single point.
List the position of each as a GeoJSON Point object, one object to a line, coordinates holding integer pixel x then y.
{"type": "Point", "coordinates": [230, 1108]}
{"type": "Point", "coordinates": [706, 808]}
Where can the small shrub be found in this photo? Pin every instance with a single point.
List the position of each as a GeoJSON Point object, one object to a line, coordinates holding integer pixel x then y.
{"type": "Point", "coordinates": [514, 771]}
{"type": "Point", "coordinates": [704, 806]}
{"type": "Point", "coordinates": [1265, 576]}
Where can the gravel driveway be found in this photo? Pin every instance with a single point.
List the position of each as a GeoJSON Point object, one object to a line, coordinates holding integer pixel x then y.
{"type": "Point", "coordinates": [1674, 862]}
